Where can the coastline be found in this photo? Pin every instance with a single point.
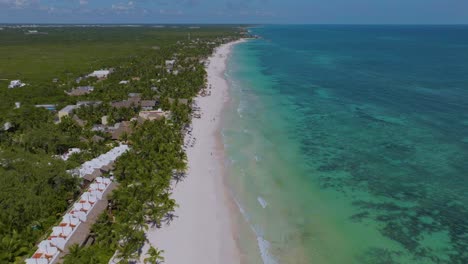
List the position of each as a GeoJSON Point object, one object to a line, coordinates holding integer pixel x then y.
{"type": "Point", "coordinates": [205, 229]}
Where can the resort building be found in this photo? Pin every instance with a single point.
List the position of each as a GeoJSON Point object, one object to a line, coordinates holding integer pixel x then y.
{"type": "Point", "coordinates": [147, 104]}
{"type": "Point", "coordinates": [66, 111]}
{"type": "Point", "coordinates": [152, 115]}
{"type": "Point", "coordinates": [100, 74]}
{"type": "Point", "coordinates": [120, 129]}
{"type": "Point", "coordinates": [16, 84]}
{"type": "Point", "coordinates": [88, 103]}
{"type": "Point", "coordinates": [66, 155]}
{"type": "Point", "coordinates": [81, 90]}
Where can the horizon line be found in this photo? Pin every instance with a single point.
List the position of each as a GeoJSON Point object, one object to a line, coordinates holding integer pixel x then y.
{"type": "Point", "coordinates": [234, 23]}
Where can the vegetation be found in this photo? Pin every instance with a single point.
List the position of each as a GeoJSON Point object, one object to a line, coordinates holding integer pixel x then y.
{"type": "Point", "coordinates": [35, 188]}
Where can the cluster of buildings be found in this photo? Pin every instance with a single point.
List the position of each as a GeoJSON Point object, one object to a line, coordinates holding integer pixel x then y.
{"type": "Point", "coordinates": [84, 209]}
{"type": "Point", "coordinates": [49, 250]}
{"type": "Point", "coordinates": [102, 164]}
{"type": "Point", "coordinates": [117, 130]}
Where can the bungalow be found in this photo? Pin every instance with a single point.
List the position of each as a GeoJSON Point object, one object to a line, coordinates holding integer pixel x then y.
{"type": "Point", "coordinates": [70, 152]}
{"type": "Point", "coordinates": [152, 115]}
{"type": "Point", "coordinates": [7, 126]}
{"type": "Point", "coordinates": [122, 104]}
{"type": "Point", "coordinates": [98, 128]}
{"type": "Point", "coordinates": [93, 175]}
{"type": "Point", "coordinates": [100, 74]}
{"type": "Point", "coordinates": [124, 128]}
{"type": "Point", "coordinates": [134, 95]}
{"type": "Point", "coordinates": [97, 139]}
{"type": "Point", "coordinates": [78, 121]}
{"type": "Point", "coordinates": [81, 90]}
{"type": "Point", "coordinates": [88, 103]}
{"type": "Point", "coordinates": [66, 111]}
{"type": "Point", "coordinates": [169, 65]}
{"type": "Point", "coordinates": [16, 84]}
{"type": "Point", "coordinates": [105, 120]}
{"type": "Point", "coordinates": [147, 104]}
{"type": "Point", "coordinates": [124, 82]}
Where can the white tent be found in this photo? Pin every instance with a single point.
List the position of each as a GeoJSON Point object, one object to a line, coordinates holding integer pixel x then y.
{"type": "Point", "coordinates": [102, 180]}
{"type": "Point", "coordinates": [61, 231]}
{"type": "Point", "coordinates": [101, 161]}
{"type": "Point", "coordinates": [70, 220]}
{"type": "Point", "coordinates": [59, 242]}
{"type": "Point", "coordinates": [89, 198]}
{"type": "Point", "coordinates": [37, 261]}
{"type": "Point", "coordinates": [85, 207]}
{"type": "Point", "coordinates": [97, 187]}
{"type": "Point", "coordinates": [79, 214]}
{"type": "Point", "coordinates": [98, 194]}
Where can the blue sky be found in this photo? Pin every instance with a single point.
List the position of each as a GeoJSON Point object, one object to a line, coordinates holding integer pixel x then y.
{"type": "Point", "coordinates": [236, 11]}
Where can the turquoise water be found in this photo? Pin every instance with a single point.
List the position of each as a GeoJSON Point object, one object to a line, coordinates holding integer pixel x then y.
{"type": "Point", "coordinates": [349, 144]}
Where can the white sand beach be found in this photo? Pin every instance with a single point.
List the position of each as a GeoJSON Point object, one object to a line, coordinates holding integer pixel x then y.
{"type": "Point", "coordinates": [205, 229]}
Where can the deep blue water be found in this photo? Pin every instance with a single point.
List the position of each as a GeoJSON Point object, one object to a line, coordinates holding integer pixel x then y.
{"type": "Point", "coordinates": [360, 139]}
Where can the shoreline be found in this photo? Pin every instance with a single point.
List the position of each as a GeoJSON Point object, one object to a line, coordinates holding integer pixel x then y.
{"type": "Point", "coordinates": [206, 227]}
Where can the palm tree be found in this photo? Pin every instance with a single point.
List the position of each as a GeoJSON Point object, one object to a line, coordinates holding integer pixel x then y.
{"type": "Point", "coordinates": [75, 252]}
{"type": "Point", "coordinates": [154, 256]}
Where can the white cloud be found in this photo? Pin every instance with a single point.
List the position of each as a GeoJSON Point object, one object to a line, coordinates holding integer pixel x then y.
{"type": "Point", "coordinates": [18, 3]}
{"type": "Point", "coordinates": [124, 7]}
{"type": "Point", "coordinates": [84, 2]}
{"type": "Point", "coordinates": [171, 12]}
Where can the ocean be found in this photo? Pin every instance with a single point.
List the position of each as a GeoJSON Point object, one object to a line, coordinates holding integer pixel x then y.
{"type": "Point", "coordinates": [349, 144]}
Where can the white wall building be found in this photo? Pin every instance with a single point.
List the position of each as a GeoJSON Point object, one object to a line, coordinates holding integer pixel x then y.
{"type": "Point", "coordinates": [15, 84]}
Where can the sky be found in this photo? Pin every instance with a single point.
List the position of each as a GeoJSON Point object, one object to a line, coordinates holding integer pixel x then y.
{"type": "Point", "coordinates": [236, 11]}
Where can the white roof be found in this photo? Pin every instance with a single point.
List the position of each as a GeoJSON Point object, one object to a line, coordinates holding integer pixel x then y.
{"type": "Point", "coordinates": [16, 83]}
{"type": "Point", "coordinates": [69, 108]}
{"type": "Point", "coordinates": [103, 160]}
{"type": "Point", "coordinates": [99, 73]}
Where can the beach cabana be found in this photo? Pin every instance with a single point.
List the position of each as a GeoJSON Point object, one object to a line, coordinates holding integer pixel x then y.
{"type": "Point", "coordinates": [37, 261]}
{"type": "Point", "coordinates": [46, 249]}
{"type": "Point", "coordinates": [98, 194]}
{"type": "Point", "coordinates": [97, 187]}
{"type": "Point", "coordinates": [101, 180]}
{"type": "Point", "coordinates": [79, 214]}
{"type": "Point", "coordinates": [58, 242]}
{"type": "Point", "coordinates": [70, 220]}
{"type": "Point", "coordinates": [85, 207]}
{"type": "Point", "coordinates": [87, 197]}
{"type": "Point", "coordinates": [61, 231]}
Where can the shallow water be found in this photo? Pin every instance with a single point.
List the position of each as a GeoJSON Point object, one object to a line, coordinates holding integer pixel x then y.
{"type": "Point", "coordinates": [349, 144]}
